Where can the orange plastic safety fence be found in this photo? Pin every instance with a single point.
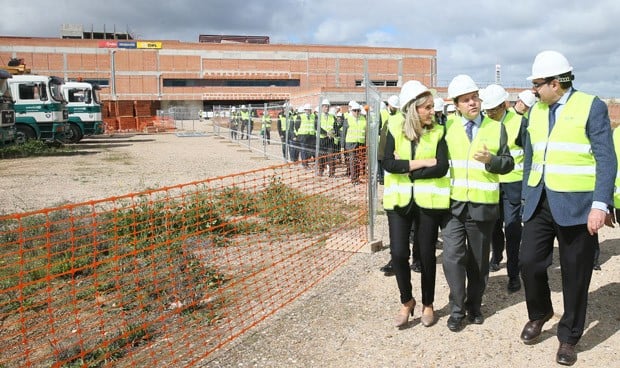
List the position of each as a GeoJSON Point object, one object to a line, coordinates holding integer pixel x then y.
{"type": "Point", "coordinates": [166, 277]}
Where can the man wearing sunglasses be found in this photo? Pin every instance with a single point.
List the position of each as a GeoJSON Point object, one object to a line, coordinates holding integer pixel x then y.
{"type": "Point", "coordinates": [568, 181]}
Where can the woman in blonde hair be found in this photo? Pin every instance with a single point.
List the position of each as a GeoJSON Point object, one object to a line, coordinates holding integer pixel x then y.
{"type": "Point", "coordinates": [416, 192]}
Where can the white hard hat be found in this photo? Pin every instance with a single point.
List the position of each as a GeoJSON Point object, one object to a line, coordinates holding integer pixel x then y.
{"type": "Point", "coordinates": [450, 108]}
{"type": "Point", "coordinates": [307, 107]}
{"type": "Point", "coordinates": [460, 85]}
{"type": "Point", "coordinates": [300, 109]}
{"type": "Point", "coordinates": [394, 101]}
{"type": "Point", "coordinates": [233, 108]}
{"type": "Point", "coordinates": [492, 96]}
{"type": "Point", "coordinates": [438, 101]}
{"type": "Point", "coordinates": [325, 102]}
{"type": "Point", "coordinates": [243, 106]}
{"type": "Point", "coordinates": [410, 91]}
{"type": "Point", "coordinates": [549, 64]}
{"type": "Point", "coordinates": [351, 103]}
{"type": "Point", "coordinates": [354, 105]}
{"type": "Point", "coordinates": [527, 97]}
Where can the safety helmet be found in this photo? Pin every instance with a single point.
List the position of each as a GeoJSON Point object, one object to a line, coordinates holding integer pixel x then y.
{"type": "Point", "coordinates": [325, 102]}
{"type": "Point", "coordinates": [351, 103]}
{"type": "Point", "coordinates": [450, 108]}
{"type": "Point", "coordinates": [438, 101]}
{"type": "Point", "coordinates": [410, 91]}
{"type": "Point", "coordinates": [394, 101]}
{"type": "Point", "coordinates": [460, 85]}
{"type": "Point", "coordinates": [527, 97]}
{"type": "Point", "coordinates": [233, 109]}
{"type": "Point", "coordinates": [243, 106]}
{"type": "Point", "coordinates": [549, 64]}
{"type": "Point", "coordinates": [492, 96]}
{"type": "Point", "coordinates": [307, 107]}
{"type": "Point", "coordinates": [354, 105]}
{"type": "Point", "coordinates": [300, 109]}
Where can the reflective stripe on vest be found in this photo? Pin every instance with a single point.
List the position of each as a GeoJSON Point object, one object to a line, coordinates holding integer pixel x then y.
{"type": "Point", "coordinates": [428, 193]}
{"type": "Point", "coordinates": [356, 132]}
{"type": "Point", "coordinates": [512, 123]}
{"type": "Point", "coordinates": [565, 155]}
{"type": "Point", "coordinates": [471, 182]}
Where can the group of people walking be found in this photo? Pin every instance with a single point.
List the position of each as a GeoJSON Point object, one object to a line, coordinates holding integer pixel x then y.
{"type": "Point", "coordinates": [489, 174]}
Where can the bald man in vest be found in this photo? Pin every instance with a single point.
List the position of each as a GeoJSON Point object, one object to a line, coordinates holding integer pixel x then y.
{"type": "Point", "coordinates": [568, 181]}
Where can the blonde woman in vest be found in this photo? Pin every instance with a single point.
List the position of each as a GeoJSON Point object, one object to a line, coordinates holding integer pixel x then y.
{"type": "Point", "coordinates": [479, 153]}
{"type": "Point", "coordinates": [569, 171]}
{"type": "Point", "coordinates": [416, 191]}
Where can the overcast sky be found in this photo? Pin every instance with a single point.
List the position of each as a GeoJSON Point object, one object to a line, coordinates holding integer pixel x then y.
{"type": "Point", "coordinates": [470, 37]}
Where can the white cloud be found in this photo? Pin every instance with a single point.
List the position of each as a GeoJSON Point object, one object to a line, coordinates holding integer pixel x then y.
{"type": "Point", "coordinates": [470, 37]}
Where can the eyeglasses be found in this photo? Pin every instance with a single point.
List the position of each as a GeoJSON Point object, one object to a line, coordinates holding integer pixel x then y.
{"type": "Point", "coordinates": [537, 85]}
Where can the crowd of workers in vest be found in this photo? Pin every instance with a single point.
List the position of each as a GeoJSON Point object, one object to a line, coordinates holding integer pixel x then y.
{"type": "Point", "coordinates": [489, 176]}
{"type": "Point", "coordinates": [341, 135]}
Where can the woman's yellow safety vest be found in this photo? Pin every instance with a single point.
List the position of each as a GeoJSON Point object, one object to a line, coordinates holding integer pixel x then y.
{"type": "Point", "coordinates": [565, 155]}
{"type": "Point", "coordinates": [427, 193]}
{"type": "Point", "coordinates": [471, 182]}
{"type": "Point", "coordinates": [512, 123]}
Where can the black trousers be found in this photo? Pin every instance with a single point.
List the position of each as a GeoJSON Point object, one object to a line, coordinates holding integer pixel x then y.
{"type": "Point", "coordinates": [508, 230]}
{"type": "Point", "coordinates": [427, 225]}
{"type": "Point", "coordinates": [576, 247]}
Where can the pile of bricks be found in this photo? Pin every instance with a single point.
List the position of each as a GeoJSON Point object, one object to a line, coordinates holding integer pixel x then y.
{"type": "Point", "coordinates": [129, 116]}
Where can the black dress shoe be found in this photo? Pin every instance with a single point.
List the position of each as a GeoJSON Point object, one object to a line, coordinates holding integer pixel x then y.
{"type": "Point", "coordinates": [388, 270]}
{"type": "Point", "coordinates": [475, 317]}
{"type": "Point", "coordinates": [514, 285]}
{"type": "Point", "coordinates": [494, 267]}
{"type": "Point", "coordinates": [532, 329]}
{"type": "Point", "coordinates": [416, 267]}
{"type": "Point", "coordinates": [566, 354]}
{"type": "Point", "coordinates": [455, 324]}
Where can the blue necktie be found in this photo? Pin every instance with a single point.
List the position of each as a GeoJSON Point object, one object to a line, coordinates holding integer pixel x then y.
{"type": "Point", "coordinates": [552, 110]}
{"type": "Point", "coordinates": [469, 129]}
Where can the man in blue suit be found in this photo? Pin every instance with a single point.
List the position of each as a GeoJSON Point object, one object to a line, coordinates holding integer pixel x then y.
{"type": "Point", "coordinates": [568, 181]}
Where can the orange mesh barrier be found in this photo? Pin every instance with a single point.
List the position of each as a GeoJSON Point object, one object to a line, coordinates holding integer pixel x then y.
{"type": "Point", "coordinates": [163, 278]}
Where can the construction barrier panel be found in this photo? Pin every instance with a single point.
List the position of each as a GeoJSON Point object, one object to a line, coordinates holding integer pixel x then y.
{"type": "Point", "coordinates": [164, 278]}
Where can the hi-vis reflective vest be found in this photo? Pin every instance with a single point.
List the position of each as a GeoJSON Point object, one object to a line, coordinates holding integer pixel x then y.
{"type": "Point", "coordinates": [283, 124]}
{"type": "Point", "coordinates": [266, 121]}
{"type": "Point", "coordinates": [512, 123]}
{"type": "Point", "coordinates": [356, 132]}
{"type": "Point", "coordinates": [471, 182]}
{"type": "Point", "coordinates": [427, 193]}
{"type": "Point", "coordinates": [617, 186]}
{"type": "Point", "coordinates": [565, 155]}
{"type": "Point", "coordinates": [327, 124]}
{"type": "Point", "coordinates": [306, 127]}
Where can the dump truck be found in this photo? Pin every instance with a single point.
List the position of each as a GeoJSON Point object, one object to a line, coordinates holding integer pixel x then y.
{"type": "Point", "coordinates": [7, 112]}
{"type": "Point", "coordinates": [84, 107]}
{"type": "Point", "coordinates": [40, 108]}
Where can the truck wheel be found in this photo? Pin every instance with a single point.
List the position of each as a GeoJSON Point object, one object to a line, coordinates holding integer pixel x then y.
{"type": "Point", "coordinates": [24, 133]}
{"type": "Point", "coordinates": [74, 134]}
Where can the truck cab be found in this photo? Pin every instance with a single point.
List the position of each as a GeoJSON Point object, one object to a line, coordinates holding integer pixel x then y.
{"type": "Point", "coordinates": [84, 107]}
{"type": "Point", "coordinates": [7, 112]}
{"type": "Point", "coordinates": [40, 108]}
